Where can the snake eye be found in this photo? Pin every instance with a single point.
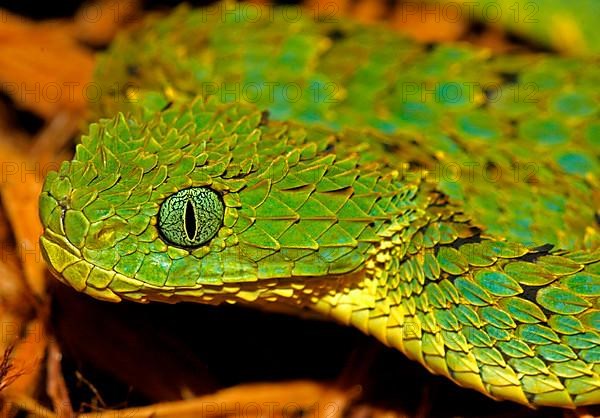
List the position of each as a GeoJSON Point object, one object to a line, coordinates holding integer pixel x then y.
{"type": "Point", "coordinates": [191, 217]}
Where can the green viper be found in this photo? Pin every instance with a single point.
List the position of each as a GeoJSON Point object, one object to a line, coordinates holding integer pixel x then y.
{"type": "Point", "coordinates": [440, 198]}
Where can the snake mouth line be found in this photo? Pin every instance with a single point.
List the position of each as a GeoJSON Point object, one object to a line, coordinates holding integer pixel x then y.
{"type": "Point", "coordinates": [69, 265]}
{"type": "Point", "coordinates": [58, 253]}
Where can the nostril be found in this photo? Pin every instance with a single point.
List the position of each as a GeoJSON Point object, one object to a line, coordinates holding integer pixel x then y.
{"type": "Point", "coordinates": [106, 234]}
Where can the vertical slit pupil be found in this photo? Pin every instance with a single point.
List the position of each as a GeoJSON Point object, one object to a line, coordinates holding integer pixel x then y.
{"type": "Point", "coordinates": [190, 220]}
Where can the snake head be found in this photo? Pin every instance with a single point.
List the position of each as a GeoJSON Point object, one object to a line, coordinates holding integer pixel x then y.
{"type": "Point", "coordinates": [203, 201]}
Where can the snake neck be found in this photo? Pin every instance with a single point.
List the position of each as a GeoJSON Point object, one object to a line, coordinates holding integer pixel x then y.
{"type": "Point", "coordinates": [487, 314]}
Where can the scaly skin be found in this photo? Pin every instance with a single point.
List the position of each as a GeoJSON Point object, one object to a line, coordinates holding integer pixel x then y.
{"type": "Point", "coordinates": [498, 133]}
{"type": "Point", "coordinates": [350, 224]}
